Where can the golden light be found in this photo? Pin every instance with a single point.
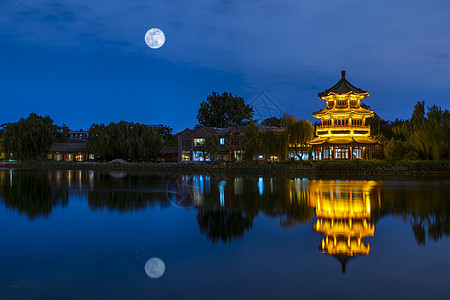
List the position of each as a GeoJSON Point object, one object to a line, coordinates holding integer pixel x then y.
{"type": "Point", "coordinates": [343, 212]}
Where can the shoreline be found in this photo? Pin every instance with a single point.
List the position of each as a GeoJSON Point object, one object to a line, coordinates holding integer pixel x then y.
{"type": "Point", "coordinates": [322, 168]}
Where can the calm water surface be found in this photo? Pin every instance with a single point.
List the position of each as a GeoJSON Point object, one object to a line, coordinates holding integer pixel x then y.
{"type": "Point", "coordinates": [88, 235]}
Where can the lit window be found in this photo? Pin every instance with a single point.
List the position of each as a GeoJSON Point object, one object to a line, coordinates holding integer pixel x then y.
{"type": "Point", "coordinates": [199, 142]}
{"type": "Point", "coordinates": [222, 141]}
{"type": "Point", "coordinates": [186, 156]}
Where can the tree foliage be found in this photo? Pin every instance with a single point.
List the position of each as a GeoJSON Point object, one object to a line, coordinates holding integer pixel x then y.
{"type": "Point", "coordinates": [250, 142]}
{"type": "Point", "coordinates": [394, 150]}
{"type": "Point", "coordinates": [299, 133]}
{"type": "Point", "coordinates": [224, 110]}
{"type": "Point", "coordinates": [255, 141]}
{"type": "Point", "coordinates": [169, 139]}
{"type": "Point", "coordinates": [272, 122]}
{"type": "Point", "coordinates": [32, 137]}
{"type": "Point", "coordinates": [126, 140]}
{"type": "Point", "coordinates": [427, 134]}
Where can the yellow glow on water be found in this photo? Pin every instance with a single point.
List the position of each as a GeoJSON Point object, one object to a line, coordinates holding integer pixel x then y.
{"type": "Point", "coordinates": [343, 211]}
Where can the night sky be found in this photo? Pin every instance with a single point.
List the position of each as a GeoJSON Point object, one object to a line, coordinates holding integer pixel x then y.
{"type": "Point", "coordinates": [84, 61]}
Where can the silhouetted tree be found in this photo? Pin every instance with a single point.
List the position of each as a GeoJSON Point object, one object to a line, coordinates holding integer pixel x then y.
{"type": "Point", "coordinates": [224, 110]}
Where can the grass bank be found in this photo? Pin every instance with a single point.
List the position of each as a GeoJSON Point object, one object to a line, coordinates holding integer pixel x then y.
{"type": "Point", "coordinates": [358, 167]}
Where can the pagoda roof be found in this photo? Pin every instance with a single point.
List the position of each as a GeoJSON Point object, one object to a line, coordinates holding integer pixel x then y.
{"type": "Point", "coordinates": [343, 87]}
{"type": "Point", "coordinates": [342, 140]}
{"type": "Point", "coordinates": [344, 111]}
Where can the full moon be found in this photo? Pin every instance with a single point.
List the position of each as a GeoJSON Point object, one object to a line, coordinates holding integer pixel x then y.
{"type": "Point", "coordinates": [155, 268]}
{"type": "Point", "coordinates": [155, 38]}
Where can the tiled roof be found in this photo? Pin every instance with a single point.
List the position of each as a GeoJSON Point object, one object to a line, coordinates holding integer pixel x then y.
{"type": "Point", "coordinates": [342, 87]}
{"type": "Point", "coordinates": [68, 147]}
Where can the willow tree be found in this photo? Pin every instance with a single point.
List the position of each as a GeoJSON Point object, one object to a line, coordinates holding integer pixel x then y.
{"type": "Point", "coordinates": [299, 133]}
{"type": "Point", "coordinates": [30, 138]}
{"type": "Point", "coordinates": [427, 133]}
{"type": "Point", "coordinates": [126, 140]}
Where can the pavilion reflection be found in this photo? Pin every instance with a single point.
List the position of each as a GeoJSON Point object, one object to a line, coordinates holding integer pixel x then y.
{"type": "Point", "coordinates": [343, 211]}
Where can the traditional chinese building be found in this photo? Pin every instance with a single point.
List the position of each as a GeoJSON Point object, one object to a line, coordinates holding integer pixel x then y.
{"type": "Point", "coordinates": [343, 211]}
{"type": "Point", "coordinates": [343, 133]}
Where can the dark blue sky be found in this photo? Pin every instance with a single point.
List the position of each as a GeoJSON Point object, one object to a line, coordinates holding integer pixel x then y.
{"type": "Point", "coordinates": [84, 61]}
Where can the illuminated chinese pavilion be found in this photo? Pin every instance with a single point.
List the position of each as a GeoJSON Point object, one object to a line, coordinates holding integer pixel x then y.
{"type": "Point", "coordinates": [343, 133]}
{"type": "Point", "coordinates": [343, 216]}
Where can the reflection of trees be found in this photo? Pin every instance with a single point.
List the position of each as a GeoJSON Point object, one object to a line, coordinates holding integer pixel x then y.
{"type": "Point", "coordinates": [223, 225]}
{"type": "Point", "coordinates": [31, 193]}
{"type": "Point", "coordinates": [424, 204]}
{"type": "Point", "coordinates": [227, 206]}
{"type": "Point", "coordinates": [127, 193]}
{"type": "Point", "coordinates": [288, 200]}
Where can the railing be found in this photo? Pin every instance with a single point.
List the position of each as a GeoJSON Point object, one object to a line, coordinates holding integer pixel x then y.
{"type": "Point", "coordinates": [355, 127]}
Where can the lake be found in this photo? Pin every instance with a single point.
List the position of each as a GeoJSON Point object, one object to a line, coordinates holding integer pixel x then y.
{"type": "Point", "coordinates": [117, 235]}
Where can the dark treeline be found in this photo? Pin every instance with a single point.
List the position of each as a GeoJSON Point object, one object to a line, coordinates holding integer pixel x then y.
{"type": "Point", "coordinates": [30, 139]}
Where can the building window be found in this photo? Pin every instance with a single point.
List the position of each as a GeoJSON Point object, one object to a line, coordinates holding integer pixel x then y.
{"type": "Point", "coordinates": [317, 155]}
{"type": "Point", "coordinates": [79, 157]}
{"type": "Point", "coordinates": [185, 143]}
{"type": "Point", "coordinates": [69, 157]}
{"type": "Point", "coordinates": [326, 153]}
{"type": "Point", "coordinates": [341, 153]}
{"type": "Point", "coordinates": [238, 155]}
{"type": "Point", "coordinates": [91, 156]}
{"type": "Point", "coordinates": [199, 142]}
{"type": "Point", "coordinates": [222, 141]}
{"type": "Point", "coordinates": [357, 152]}
{"type": "Point", "coordinates": [294, 155]}
{"type": "Point", "coordinates": [185, 156]}
{"type": "Point", "coordinates": [200, 156]}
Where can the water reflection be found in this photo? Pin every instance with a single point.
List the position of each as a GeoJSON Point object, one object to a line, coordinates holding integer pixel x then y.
{"type": "Point", "coordinates": [31, 193]}
{"type": "Point", "coordinates": [344, 212]}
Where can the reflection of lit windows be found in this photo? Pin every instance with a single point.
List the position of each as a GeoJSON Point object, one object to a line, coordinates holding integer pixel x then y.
{"type": "Point", "coordinates": [199, 142]}
{"type": "Point", "coordinates": [260, 186]}
{"type": "Point", "coordinates": [222, 192]}
{"type": "Point", "coordinates": [222, 141]}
